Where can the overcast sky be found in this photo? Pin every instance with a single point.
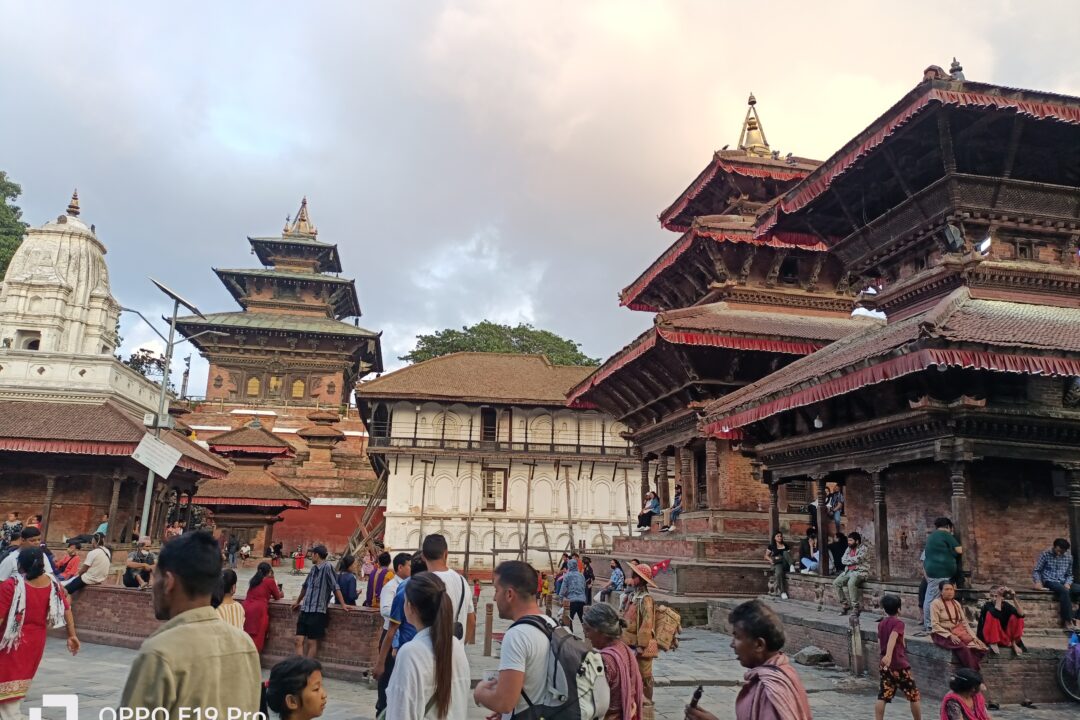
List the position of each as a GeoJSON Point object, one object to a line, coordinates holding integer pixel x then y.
{"type": "Point", "coordinates": [489, 159]}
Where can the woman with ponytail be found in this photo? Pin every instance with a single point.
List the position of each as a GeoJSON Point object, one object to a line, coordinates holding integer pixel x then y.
{"type": "Point", "coordinates": [261, 590]}
{"type": "Point", "coordinates": [421, 688]}
{"type": "Point", "coordinates": [295, 689]}
{"type": "Point", "coordinates": [31, 603]}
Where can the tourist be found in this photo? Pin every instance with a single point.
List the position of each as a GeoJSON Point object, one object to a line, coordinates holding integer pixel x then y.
{"type": "Point", "coordinates": [848, 584]}
{"type": "Point", "coordinates": [604, 629]}
{"type": "Point", "coordinates": [31, 604]}
{"type": "Point", "coordinates": [476, 593]}
{"type": "Point", "coordinates": [232, 548]}
{"type": "Point", "coordinates": [640, 617]}
{"type": "Point", "coordinates": [194, 659]}
{"type": "Point", "coordinates": [400, 633]}
{"type": "Point", "coordinates": [346, 580]}
{"type": "Point", "coordinates": [941, 553]}
{"type": "Point", "coordinates": [368, 566]}
{"type": "Point", "coordinates": [1054, 572]}
{"type": "Point", "coordinates": [675, 510]}
{"type": "Point", "coordinates": [140, 563]}
{"type": "Point", "coordinates": [779, 554]}
{"type": "Point", "coordinates": [262, 588]}
{"type": "Point", "coordinates": [95, 567]}
{"type": "Point", "coordinates": [895, 668]}
{"type": "Point", "coordinates": [376, 580]}
{"type": "Point", "coordinates": [1001, 621]}
{"type": "Point", "coordinates": [11, 528]}
{"type": "Point", "coordinates": [28, 537]}
{"type": "Point", "coordinates": [773, 690]}
{"type": "Point", "coordinates": [834, 504]}
{"type": "Point", "coordinates": [174, 530]}
{"type": "Point", "coordinates": [649, 510]}
{"type": "Point", "coordinates": [572, 592]}
{"type": "Point", "coordinates": [68, 566]}
{"type": "Point", "coordinates": [295, 690]}
{"type": "Point", "coordinates": [809, 554]}
{"type": "Point", "coordinates": [401, 568]}
{"type": "Point", "coordinates": [965, 700]}
{"type": "Point", "coordinates": [436, 553]}
{"type": "Point", "coordinates": [523, 665]}
{"type": "Point", "coordinates": [590, 578]}
{"type": "Point", "coordinates": [950, 629]}
{"type": "Point", "coordinates": [245, 553]}
{"type": "Point", "coordinates": [102, 529]}
{"type": "Point", "coordinates": [836, 544]}
{"type": "Point", "coordinates": [615, 580]}
{"type": "Point", "coordinates": [420, 686]}
{"type": "Point", "coordinates": [227, 608]}
{"type": "Point", "coordinates": [319, 586]}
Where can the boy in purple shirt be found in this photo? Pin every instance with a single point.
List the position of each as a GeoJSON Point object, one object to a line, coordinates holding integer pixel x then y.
{"type": "Point", "coordinates": [895, 668]}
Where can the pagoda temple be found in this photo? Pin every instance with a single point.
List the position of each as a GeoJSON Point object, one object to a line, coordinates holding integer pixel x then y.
{"type": "Point", "coordinates": [286, 355]}
{"type": "Point", "coordinates": [731, 305]}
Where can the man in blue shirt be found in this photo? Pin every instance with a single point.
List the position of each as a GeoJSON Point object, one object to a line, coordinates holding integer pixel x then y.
{"type": "Point", "coordinates": [1054, 572]}
{"type": "Point", "coordinates": [401, 631]}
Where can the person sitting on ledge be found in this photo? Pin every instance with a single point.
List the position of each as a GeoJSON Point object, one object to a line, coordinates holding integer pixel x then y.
{"type": "Point", "coordinates": [675, 510]}
{"type": "Point", "coordinates": [1001, 621]}
{"type": "Point", "coordinates": [809, 554]}
{"type": "Point", "coordinates": [650, 510]}
{"type": "Point", "coordinates": [950, 628]}
{"type": "Point", "coordinates": [1054, 572]}
{"type": "Point", "coordinates": [102, 529]}
{"type": "Point", "coordinates": [848, 584]}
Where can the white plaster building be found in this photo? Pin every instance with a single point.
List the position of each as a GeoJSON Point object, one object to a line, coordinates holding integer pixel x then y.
{"type": "Point", "coordinates": [482, 448]}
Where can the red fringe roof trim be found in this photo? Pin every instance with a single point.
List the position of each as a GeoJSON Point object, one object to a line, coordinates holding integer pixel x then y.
{"type": "Point", "coordinates": [87, 447]}
{"type": "Point", "coordinates": [892, 369]}
{"type": "Point", "coordinates": [820, 180]}
{"type": "Point", "coordinates": [612, 366]}
{"type": "Point", "coordinates": [199, 500]}
{"type": "Point", "coordinates": [628, 297]}
{"type": "Point", "coordinates": [716, 166]}
{"type": "Point", "coordinates": [679, 337]}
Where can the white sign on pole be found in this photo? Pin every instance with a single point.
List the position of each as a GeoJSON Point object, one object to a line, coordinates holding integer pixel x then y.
{"type": "Point", "coordinates": [156, 455]}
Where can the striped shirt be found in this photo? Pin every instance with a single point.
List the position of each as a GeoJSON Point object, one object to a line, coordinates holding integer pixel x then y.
{"type": "Point", "coordinates": [319, 587]}
{"type": "Point", "coordinates": [1054, 568]}
{"type": "Point", "coordinates": [232, 613]}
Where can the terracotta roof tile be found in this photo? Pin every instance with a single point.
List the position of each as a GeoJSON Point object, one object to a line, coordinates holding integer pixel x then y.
{"type": "Point", "coordinates": [253, 436]}
{"type": "Point", "coordinates": [721, 317]}
{"type": "Point", "coordinates": [249, 482]}
{"type": "Point", "coordinates": [480, 377]}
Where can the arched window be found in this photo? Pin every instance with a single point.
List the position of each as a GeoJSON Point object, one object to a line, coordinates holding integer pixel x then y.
{"type": "Point", "coordinates": [33, 345]}
{"type": "Point", "coordinates": [253, 387]}
{"type": "Point", "coordinates": [298, 389]}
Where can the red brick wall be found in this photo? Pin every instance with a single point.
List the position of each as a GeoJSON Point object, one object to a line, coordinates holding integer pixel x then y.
{"type": "Point", "coordinates": [121, 617]}
{"type": "Point", "coordinates": [78, 501]}
{"type": "Point", "coordinates": [738, 488]}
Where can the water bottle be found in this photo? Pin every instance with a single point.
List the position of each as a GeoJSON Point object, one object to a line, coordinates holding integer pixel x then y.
{"type": "Point", "coordinates": [1074, 639]}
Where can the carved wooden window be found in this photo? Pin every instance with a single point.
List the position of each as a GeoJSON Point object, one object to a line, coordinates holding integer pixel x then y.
{"type": "Point", "coordinates": [789, 271]}
{"type": "Point", "coordinates": [254, 387]}
{"type": "Point", "coordinates": [298, 389]}
{"type": "Point", "coordinates": [1025, 250]}
{"type": "Point", "coordinates": [218, 381]}
{"type": "Point", "coordinates": [494, 489]}
{"type": "Point", "coordinates": [275, 384]}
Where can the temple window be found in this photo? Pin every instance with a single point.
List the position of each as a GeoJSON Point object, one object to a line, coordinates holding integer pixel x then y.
{"type": "Point", "coordinates": [789, 271]}
{"type": "Point", "coordinates": [494, 488]}
{"type": "Point", "coordinates": [1025, 251]}
{"type": "Point", "coordinates": [275, 384]}
{"type": "Point", "coordinates": [297, 389]}
{"type": "Point", "coordinates": [253, 387]}
{"type": "Point", "coordinates": [27, 340]}
{"type": "Point", "coordinates": [488, 424]}
{"type": "Point", "coordinates": [219, 381]}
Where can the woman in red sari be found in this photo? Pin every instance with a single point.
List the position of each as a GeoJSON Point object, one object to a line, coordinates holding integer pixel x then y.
{"type": "Point", "coordinates": [31, 602]}
{"type": "Point", "coordinates": [261, 590]}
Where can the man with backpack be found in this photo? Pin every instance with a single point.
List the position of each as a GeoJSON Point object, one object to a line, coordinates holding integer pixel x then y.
{"type": "Point", "coordinates": [640, 617]}
{"type": "Point", "coordinates": [544, 671]}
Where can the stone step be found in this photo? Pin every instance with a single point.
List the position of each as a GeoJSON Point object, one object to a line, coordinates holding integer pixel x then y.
{"type": "Point", "coordinates": [695, 578]}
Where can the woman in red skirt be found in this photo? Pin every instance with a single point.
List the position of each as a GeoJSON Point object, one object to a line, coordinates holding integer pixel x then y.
{"type": "Point", "coordinates": [31, 602]}
{"type": "Point", "coordinates": [261, 590]}
{"type": "Point", "coordinates": [1001, 621]}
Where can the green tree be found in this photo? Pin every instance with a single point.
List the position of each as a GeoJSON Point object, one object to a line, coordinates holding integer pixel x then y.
{"type": "Point", "coordinates": [486, 336]}
{"type": "Point", "coordinates": [147, 363]}
{"type": "Point", "coordinates": [12, 227]}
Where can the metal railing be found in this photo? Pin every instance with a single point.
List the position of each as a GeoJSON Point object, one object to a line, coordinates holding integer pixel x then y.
{"type": "Point", "coordinates": [556, 448]}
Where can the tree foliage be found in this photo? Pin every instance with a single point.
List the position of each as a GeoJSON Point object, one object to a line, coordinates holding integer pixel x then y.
{"type": "Point", "coordinates": [12, 227]}
{"type": "Point", "coordinates": [491, 337]}
{"type": "Point", "coordinates": [147, 363]}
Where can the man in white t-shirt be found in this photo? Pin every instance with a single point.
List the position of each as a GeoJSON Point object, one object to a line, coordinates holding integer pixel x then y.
{"type": "Point", "coordinates": [525, 649]}
{"type": "Point", "coordinates": [28, 537]}
{"type": "Point", "coordinates": [95, 568]}
{"type": "Point", "coordinates": [436, 552]}
{"type": "Point", "coordinates": [401, 565]}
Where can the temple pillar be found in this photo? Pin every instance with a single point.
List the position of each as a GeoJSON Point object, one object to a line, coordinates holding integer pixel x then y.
{"type": "Point", "coordinates": [881, 523]}
{"type": "Point", "coordinates": [663, 487]}
{"type": "Point", "coordinates": [823, 525]}
{"type": "Point", "coordinates": [962, 519]}
{"type": "Point", "coordinates": [1072, 476]}
{"type": "Point", "coordinates": [46, 510]}
{"type": "Point", "coordinates": [686, 478]}
{"type": "Point", "coordinates": [774, 510]}
{"type": "Point", "coordinates": [187, 513]}
{"type": "Point", "coordinates": [268, 536]}
{"type": "Point", "coordinates": [114, 506]}
{"type": "Point", "coordinates": [712, 473]}
{"type": "Point", "coordinates": [644, 480]}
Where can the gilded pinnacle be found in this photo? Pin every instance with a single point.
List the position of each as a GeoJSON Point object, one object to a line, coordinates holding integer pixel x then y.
{"type": "Point", "coordinates": [73, 206]}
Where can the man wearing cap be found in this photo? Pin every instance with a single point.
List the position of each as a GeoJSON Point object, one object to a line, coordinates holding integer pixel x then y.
{"type": "Point", "coordinates": [640, 617]}
{"type": "Point", "coordinates": [314, 599]}
{"type": "Point", "coordinates": [140, 564]}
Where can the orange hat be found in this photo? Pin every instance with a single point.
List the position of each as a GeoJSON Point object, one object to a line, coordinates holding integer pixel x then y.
{"type": "Point", "coordinates": [644, 572]}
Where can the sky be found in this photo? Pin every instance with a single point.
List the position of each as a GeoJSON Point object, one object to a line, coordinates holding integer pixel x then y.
{"type": "Point", "coordinates": [482, 159]}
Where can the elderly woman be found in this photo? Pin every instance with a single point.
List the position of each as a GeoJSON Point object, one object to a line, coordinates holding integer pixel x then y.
{"type": "Point", "coordinates": [603, 628]}
{"type": "Point", "coordinates": [965, 700]}
{"type": "Point", "coordinates": [1001, 621]}
{"type": "Point", "coordinates": [950, 629]}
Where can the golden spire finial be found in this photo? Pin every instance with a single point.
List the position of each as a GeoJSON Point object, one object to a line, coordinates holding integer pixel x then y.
{"type": "Point", "coordinates": [752, 138]}
{"type": "Point", "coordinates": [302, 224]}
{"type": "Point", "coordinates": [73, 206]}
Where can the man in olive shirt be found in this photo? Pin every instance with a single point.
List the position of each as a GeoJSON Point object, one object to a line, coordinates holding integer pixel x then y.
{"type": "Point", "coordinates": [941, 554]}
{"type": "Point", "coordinates": [195, 660]}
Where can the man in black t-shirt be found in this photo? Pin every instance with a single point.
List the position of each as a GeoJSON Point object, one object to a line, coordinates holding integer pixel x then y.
{"type": "Point", "coordinates": [140, 563]}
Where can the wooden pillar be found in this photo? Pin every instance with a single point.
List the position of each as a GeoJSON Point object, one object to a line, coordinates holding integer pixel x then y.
{"type": "Point", "coordinates": [268, 536]}
{"type": "Point", "coordinates": [774, 510]}
{"type": "Point", "coordinates": [1072, 475]}
{"type": "Point", "coordinates": [881, 523]}
{"type": "Point", "coordinates": [114, 505]}
{"type": "Point", "coordinates": [644, 480]}
{"type": "Point", "coordinates": [712, 473]}
{"type": "Point", "coordinates": [46, 510]}
{"type": "Point", "coordinates": [663, 487]}
{"type": "Point", "coordinates": [188, 510]}
{"type": "Point", "coordinates": [686, 479]}
{"type": "Point", "coordinates": [961, 516]}
{"type": "Point", "coordinates": [823, 525]}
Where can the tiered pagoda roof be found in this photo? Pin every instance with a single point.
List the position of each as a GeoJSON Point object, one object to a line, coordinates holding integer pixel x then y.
{"type": "Point", "coordinates": [250, 484]}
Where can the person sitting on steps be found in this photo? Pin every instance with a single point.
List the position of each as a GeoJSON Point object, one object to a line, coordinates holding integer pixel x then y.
{"type": "Point", "coordinates": [848, 584]}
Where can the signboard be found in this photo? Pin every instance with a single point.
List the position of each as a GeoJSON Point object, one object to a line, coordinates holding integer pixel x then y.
{"type": "Point", "coordinates": [156, 455]}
